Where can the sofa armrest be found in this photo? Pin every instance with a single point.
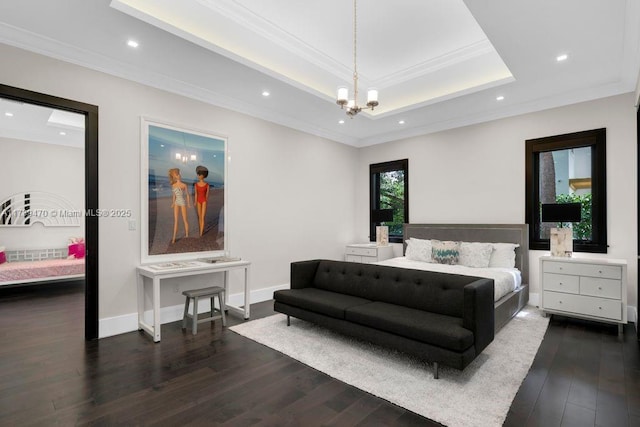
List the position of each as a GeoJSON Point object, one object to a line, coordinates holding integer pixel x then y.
{"type": "Point", "coordinates": [478, 312]}
{"type": "Point", "coordinates": [303, 272]}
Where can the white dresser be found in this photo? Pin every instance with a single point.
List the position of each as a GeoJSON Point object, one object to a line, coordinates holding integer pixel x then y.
{"type": "Point", "coordinates": [594, 289]}
{"type": "Point", "coordinates": [367, 252]}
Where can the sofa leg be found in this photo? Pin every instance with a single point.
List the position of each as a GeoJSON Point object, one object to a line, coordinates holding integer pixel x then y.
{"type": "Point", "coordinates": [288, 320]}
{"type": "Point", "coordinates": [435, 370]}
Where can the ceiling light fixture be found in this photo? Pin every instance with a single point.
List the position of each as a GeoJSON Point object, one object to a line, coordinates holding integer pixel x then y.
{"type": "Point", "coordinates": [343, 91]}
{"type": "Point", "coordinates": [265, 93]}
{"type": "Point", "coordinates": [562, 57]}
{"type": "Point", "coordinates": [341, 122]}
{"type": "Point", "coordinates": [499, 98]}
{"type": "Point", "coordinates": [62, 133]}
{"type": "Point", "coordinates": [132, 43]}
{"type": "Point", "coordinates": [8, 114]}
{"type": "Point", "coordinates": [401, 122]}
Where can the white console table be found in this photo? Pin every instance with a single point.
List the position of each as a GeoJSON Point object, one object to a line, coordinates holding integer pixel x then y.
{"type": "Point", "coordinates": [158, 272]}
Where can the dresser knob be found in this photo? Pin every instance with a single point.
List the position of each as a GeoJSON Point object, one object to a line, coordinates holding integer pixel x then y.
{"type": "Point", "coordinates": [600, 271]}
{"type": "Point", "coordinates": [599, 288]}
{"type": "Point", "coordinates": [560, 302]}
{"type": "Point", "coordinates": [599, 308]}
{"type": "Point", "coordinates": [560, 283]}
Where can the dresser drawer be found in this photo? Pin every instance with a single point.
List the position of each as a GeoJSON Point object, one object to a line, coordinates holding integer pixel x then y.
{"type": "Point", "coordinates": [353, 258]}
{"type": "Point", "coordinates": [579, 269]}
{"type": "Point", "coordinates": [562, 283]}
{"type": "Point", "coordinates": [580, 304]}
{"type": "Point", "coordinates": [560, 301]}
{"type": "Point", "coordinates": [606, 288]}
{"type": "Point", "coordinates": [604, 271]}
{"type": "Point", "coordinates": [352, 250]}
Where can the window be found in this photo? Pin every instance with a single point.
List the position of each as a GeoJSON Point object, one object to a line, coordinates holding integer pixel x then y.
{"type": "Point", "coordinates": [389, 197]}
{"type": "Point", "coordinates": [568, 169]}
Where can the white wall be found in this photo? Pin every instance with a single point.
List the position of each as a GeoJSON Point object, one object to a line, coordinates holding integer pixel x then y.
{"type": "Point", "coordinates": [476, 174]}
{"type": "Point", "coordinates": [295, 196]}
{"type": "Point", "coordinates": [290, 193]}
{"type": "Point", "coordinates": [29, 166]}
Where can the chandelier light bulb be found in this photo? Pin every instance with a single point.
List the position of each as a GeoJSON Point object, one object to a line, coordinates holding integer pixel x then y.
{"type": "Point", "coordinates": [372, 98]}
{"type": "Point", "coordinates": [343, 94]}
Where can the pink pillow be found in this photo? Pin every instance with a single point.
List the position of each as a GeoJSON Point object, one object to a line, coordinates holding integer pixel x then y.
{"type": "Point", "coordinates": [3, 256]}
{"type": "Point", "coordinates": [76, 250]}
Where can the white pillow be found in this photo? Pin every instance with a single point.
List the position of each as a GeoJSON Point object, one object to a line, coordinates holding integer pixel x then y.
{"type": "Point", "coordinates": [504, 255]}
{"type": "Point", "coordinates": [475, 254]}
{"type": "Point", "coordinates": [418, 250]}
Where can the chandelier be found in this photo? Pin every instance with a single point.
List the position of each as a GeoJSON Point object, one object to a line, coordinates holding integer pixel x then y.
{"type": "Point", "coordinates": [343, 91]}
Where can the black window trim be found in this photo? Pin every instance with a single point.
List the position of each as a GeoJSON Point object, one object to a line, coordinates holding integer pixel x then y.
{"type": "Point", "coordinates": [374, 188]}
{"type": "Point", "coordinates": [595, 138]}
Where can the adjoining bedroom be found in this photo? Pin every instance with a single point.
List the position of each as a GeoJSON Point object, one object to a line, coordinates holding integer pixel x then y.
{"type": "Point", "coordinates": [336, 213]}
{"type": "Point", "coordinates": [42, 230]}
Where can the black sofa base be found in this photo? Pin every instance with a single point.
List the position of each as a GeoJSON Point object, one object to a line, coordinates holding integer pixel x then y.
{"type": "Point", "coordinates": [415, 348]}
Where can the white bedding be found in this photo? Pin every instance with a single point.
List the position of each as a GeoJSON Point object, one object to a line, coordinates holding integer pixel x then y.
{"type": "Point", "coordinates": [506, 280]}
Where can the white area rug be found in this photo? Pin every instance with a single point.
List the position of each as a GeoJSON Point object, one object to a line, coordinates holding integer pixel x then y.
{"type": "Point", "coordinates": [478, 396]}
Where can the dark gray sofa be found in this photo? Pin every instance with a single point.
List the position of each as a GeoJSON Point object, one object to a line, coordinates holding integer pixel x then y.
{"type": "Point", "coordinates": [441, 318]}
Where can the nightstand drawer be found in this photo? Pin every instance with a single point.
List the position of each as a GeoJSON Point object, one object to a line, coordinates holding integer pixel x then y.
{"type": "Point", "coordinates": [351, 250]}
{"type": "Point", "coordinates": [604, 271]}
{"type": "Point", "coordinates": [580, 304]}
{"type": "Point", "coordinates": [606, 288]}
{"type": "Point", "coordinates": [580, 269]}
{"type": "Point", "coordinates": [562, 283]}
{"type": "Point", "coordinates": [560, 301]}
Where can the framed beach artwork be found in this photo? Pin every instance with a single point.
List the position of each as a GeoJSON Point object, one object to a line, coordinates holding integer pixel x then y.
{"type": "Point", "coordinates": [183, 192]}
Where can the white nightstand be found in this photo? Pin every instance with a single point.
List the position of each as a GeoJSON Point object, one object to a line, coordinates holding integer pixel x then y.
{"type": "Point", "coordinates": [594, 289]}
{"type": "Point", "coordinates": [367, 252]}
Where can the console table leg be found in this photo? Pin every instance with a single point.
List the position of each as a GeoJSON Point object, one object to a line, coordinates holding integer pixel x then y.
{"type": "Point", "coordinates": [620, 329]}
{"type": "Point", "coordinates": [435, 370]}
{"type": "Point", "coordinates": [288, 321]}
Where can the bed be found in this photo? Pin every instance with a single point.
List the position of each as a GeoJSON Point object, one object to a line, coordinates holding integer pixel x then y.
{"type": "Point", "coordinates": [511, 284]}
{"type": "Point", "coordinates": [39, 266]}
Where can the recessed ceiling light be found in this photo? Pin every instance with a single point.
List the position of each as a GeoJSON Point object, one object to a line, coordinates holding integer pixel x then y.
{"type": "Point", "coordinates": [401, 122]}
{"type": "Point", "coordinates": [63, 133]}
{"type": "Point", "coordinates": [265, 93]}
{"type": "Point", "coordinates": [132, 43]}
{"type": "Point", "coordinates": [499, 98]}
{"type": "Point", "coordinates": [8, 114]}
{"type": "Point", "coordinates": [562, 57]}
{"type": "Point", "coordinates": [341, 122]}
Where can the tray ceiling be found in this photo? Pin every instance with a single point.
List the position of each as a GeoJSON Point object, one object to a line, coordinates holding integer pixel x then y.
{"type": "Point", "coordinates": [438, 64]}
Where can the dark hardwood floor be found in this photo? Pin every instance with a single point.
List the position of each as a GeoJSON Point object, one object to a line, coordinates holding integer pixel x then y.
{"type": "Point", "coordinates": [583, 375]}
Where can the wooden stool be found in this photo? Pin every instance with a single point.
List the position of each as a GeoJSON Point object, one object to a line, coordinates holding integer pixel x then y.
{"type": "Point", "coordinates": [212, 292]}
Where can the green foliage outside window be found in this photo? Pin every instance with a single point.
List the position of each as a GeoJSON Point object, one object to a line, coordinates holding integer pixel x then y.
{"type": "Point", "coordinates": [392, 197]}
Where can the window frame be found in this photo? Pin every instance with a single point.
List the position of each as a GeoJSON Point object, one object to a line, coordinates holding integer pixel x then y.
{"type": "Point", "coordinates": [596, 139]}
{"type": "Point", "coordinates": [374, 193]}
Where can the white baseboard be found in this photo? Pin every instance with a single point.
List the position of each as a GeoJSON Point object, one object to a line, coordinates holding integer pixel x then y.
{"type": "Point", "coordinates": [534, 299]}
{"type": "Point", "coordinates": [110, 326]}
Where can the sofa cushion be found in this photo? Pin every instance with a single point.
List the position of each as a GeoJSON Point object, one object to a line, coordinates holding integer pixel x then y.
{"type": "Point", "coordinates": [431, 328]}
{"type": "Point", "coordinates": [320, 301]}
{"type": "Point", "coordinates": [431, 291]}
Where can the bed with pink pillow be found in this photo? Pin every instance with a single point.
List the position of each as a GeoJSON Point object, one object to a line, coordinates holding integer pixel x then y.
{"type": "Point", "coordinates": [40, 265]}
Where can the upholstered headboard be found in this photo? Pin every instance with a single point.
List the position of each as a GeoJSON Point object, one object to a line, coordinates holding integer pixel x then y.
{"type": "Point", "coordinates": [490, 233]}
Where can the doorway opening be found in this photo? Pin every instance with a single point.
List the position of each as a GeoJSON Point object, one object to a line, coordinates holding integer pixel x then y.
{"type": "Point", "coordinates": [90, 114]}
